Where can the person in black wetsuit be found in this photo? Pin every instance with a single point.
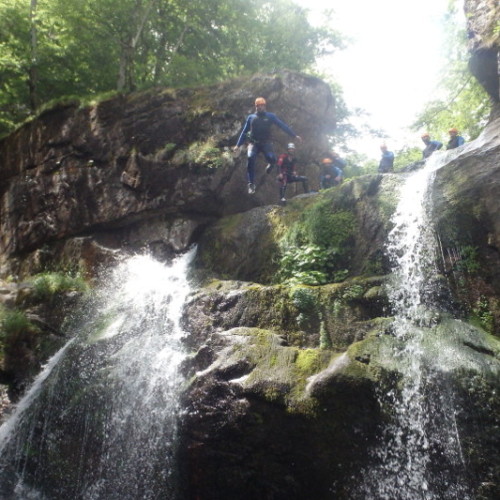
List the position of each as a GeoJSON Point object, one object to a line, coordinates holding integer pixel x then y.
{"type": "Point", "coordinates": [257, 131]}
{"type": "Point", "coordinates": [455, 139]}
{"type": "Point", "coordinates": [332, 173]}
{"type": "Point", "coordinates": [287, 166]}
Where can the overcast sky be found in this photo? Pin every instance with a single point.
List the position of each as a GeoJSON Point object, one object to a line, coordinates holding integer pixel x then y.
{"type": "Point", "coordinates": [391, 67]}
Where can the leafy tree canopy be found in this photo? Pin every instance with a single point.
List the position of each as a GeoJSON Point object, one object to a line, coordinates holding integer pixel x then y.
{"type": "Point", "coordinates": [55, 48]}
{"type": "Point", "coordinates": [462, 102]}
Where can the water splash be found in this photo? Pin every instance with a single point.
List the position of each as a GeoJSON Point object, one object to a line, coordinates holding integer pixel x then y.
{"type": "Point", "coordinates": [419, 457]}
{"type": "Point", "coordinates": [101, 421]}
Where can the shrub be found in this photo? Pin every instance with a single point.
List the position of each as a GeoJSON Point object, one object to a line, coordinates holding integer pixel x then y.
{"type": "Point", "coordinates": [47, 285]}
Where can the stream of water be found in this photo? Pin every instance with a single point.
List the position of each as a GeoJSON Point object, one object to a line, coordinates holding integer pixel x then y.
{"type": "Point", "coordinates": [100, 421]}
{"type": "Point", "coordinates": [419, 457]}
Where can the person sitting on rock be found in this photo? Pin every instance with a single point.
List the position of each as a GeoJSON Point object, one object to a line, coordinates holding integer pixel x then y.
{"type": "Point", "coordinates": [332, 173]}
{"type": "Point", "coordinates": [455, 139]}
{"type": "Point", "coordinates": [430, 146]}
{"type": "Point", "coordinates": [288, 173]}
{"type": "Point", "coordinates": [257, 131]}
{"type": "Point", "coordinates": [387, 160]}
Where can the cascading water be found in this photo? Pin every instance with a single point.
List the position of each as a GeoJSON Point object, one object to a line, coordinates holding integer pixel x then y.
{"type": "Point", "coordinates": [419, 457]}
{"type": "Point", "coordinates": [100, 421]}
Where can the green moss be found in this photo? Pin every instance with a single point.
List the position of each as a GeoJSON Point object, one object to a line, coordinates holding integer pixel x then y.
{"type": "Point", "coordinates": [308, 361]}
{"type": "Point", "coordinates": [204, 155]}
{"type": "Point", "coordinates": [47, 285]}
{"type": "Point", "coordinates": [13, 324]}
{"type": "Point", "coordinates": [482, 315]}
{"type": "Point", "coordinates": [325, 341]}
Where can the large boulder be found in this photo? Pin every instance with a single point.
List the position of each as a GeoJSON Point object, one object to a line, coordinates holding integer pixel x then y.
{"type": "Point", "coordinates": [352, 220]}
{"type": "Point", "coordinates": [152, 157]}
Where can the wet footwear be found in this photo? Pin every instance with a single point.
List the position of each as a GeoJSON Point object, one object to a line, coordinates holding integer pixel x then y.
{"type": "Point", "coordinates": [269, 168]}
{"type": "Point", "coordinates": [251, 188]}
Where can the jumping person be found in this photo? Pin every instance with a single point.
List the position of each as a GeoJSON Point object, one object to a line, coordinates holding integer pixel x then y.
{"type": "Point", "coordinates": [257, 131]}
{"type": "Point", "coordinates": [287, 172]}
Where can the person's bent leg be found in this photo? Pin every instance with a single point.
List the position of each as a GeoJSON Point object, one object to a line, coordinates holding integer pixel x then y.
{"type": "Point", "coordinates": [267, 149]}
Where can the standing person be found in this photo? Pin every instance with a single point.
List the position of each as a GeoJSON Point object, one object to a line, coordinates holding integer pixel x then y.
{"type": "Point", "coordinates": [455, 139]}
{"type": "Point", "coordinates": [387, 160]}
{"type": "Point", "coordinates": [257, 130]}
{"type": "Point", "coordinates": [288, 173]}
{"type": "Point", "coordinates": [430, 146]}
{"type": "Point", "coordinates": [331, 171]}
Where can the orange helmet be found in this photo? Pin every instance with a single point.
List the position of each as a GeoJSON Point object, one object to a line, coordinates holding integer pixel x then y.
{"type": "Point", "coordinates": [424, 135]}
{"type": "Point", "coordinates": [260, 101]}
{"type": "Point", "coordinates": [326, 161]}
{"type": "Point", "coordinates": [453, 131]}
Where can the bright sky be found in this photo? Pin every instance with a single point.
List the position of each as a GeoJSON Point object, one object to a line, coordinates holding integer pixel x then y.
{"type": "Point", "coordinates": [391, 67]}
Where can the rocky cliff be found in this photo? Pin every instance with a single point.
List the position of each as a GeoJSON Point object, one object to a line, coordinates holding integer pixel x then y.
{"type": "Point", "coordinates": [291, 331]}
{"type": "Point", "coordinates": [161, 156]}
{"type": "Point", "coordinates": [484, 44]}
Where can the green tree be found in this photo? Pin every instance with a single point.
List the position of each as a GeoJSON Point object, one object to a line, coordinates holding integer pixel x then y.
{"type": "Point", "coordinates": [56, 48]}
{"type": "Point", "coordinates": [462, 102]}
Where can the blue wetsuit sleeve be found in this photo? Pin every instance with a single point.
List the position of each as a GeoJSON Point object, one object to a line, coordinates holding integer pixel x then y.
{"type": "Point", "coordinates": [245, 131]}
{"type": "Point", "coordinates": [461, 140]}
{"type": "Point", "coordinates": [283, 126]}
{"type": "Point", "coordinates": [439, 145]}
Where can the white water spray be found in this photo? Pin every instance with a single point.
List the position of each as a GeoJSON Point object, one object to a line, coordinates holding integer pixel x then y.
{"type": "Point", "coordinates": [422, 430]}
{"type": "Point", "coordinates": [101, 421]}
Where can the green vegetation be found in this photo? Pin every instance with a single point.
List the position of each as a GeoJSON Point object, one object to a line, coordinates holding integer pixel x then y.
{"type": "Point", "coordinates": [482, 314]}
{"type": "Point", "coordinates": [325, 341]}
{"type": "Point", "coordinates": [469, 260]}
{"type": "Point", "coordinates": [464, 103]}
{"type": "Point", "coordinates": [315, 250]}
{"type": "Point", "coordinates": [13, 323]}
{"type": "Point", "coordinates": [207, 155]}
{"type": "Point", "coordinates": [405, 157]}
{"type": "Point", "coordinates": [47, 285]}
{"type": "Point", "coordinates": [305, 300]}
{"type": "Point", "coordinates": [54, 48]}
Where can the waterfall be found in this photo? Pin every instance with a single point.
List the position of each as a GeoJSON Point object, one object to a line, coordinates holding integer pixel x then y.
{"type": "Point", "coordinates": [419, 455]}
{"type": "Point", "coordinates": [100, 421]}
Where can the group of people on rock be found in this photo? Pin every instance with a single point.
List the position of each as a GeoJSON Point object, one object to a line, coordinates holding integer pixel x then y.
{"type": "Point", "coordinates": [431, 146]}
{"type": "Point", "coordinates": [256, 133]}
{"type": "Point", "coordinates": [387, 160]}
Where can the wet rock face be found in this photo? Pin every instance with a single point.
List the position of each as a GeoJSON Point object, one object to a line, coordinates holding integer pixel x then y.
{"type": "Point", "coordinates": [156, 154]}
{"type": "Point", "coordinates": [244, 435]}
{"type": "Point", "coordinates": [248, 246]}
{"type": "Point", "coordinates": [466, 208]}
{"type": "Point", "coordinates": [483, 19]}
{"type": "Point", "coordinates": [267, 409]}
